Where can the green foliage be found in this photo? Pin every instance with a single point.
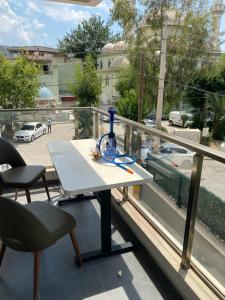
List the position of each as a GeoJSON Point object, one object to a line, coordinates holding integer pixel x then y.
{"type": "Point", "coordinates": [126, 82]}
{"type": "Point", "coordinates": [127, 105]}
{"type": "Point", "coordinates": [88, 86]}
{"type": "Point", "coordinates": [19, 83]}
{"type": "Point", "coordinates": [88, 38]}
{"type": "Point", "coordinates": [212, 80]}
{"type": "Point", "coordinates": [188, 43]}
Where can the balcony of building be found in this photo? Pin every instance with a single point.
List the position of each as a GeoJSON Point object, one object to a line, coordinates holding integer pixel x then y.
{"type": "Point", "coordinates": [176, 222]}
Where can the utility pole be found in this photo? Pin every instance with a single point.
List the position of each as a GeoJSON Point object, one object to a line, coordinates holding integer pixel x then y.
{"type": "Point", "coordinates": [141, 91]}
{"type": "Point", "coordinates": [162, 73]}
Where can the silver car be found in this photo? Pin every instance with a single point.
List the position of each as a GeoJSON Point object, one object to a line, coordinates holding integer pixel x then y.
{"type": "Point", "coordinates": [30, 131]}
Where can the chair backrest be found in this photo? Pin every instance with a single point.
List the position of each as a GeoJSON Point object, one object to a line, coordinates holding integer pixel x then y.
{"type": "Point", "coordinates": [9, 155]}
{"type": "Point", "coordinates": [20, 229]}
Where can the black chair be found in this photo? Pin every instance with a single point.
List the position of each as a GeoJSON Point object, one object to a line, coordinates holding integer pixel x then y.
{"type": "Point", "coordinates": [20, 176]}
{"type": "Point", "coordinates": [32, 228]}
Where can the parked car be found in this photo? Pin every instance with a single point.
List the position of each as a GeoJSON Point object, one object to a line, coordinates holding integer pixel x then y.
{"type": "Point", "coordinates": [173, 154]}
{"type": "Point", "coordinates": [177, 118]}
{"type": "Point", "coordinates": [106, 119]}
{"type": "Point", "coordinates": [150, 123]}
{"type": "Point", "coordinates": [30, 131]}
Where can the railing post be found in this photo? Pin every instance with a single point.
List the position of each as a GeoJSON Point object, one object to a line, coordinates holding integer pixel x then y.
{"type": "Point", "coordinates": [96, 124]}
{"type": "Point", "coordinates": [191, 210]}
{"type": "Point", "coordinates": [127, 136]}
{"type": "Point", "coordinates": [76, 137]}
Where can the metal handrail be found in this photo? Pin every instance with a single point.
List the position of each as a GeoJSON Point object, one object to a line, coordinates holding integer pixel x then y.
{"type": "Point", "coordinates": [44, 109]}
{"type": "Point", "coordinates": [195, 147]}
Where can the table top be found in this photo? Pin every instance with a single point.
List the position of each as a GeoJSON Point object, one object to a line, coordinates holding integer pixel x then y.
{"type": "Point", "coordinates": [79, 173]}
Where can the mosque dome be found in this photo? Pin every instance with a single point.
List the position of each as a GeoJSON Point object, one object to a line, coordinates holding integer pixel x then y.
{"type": "Point", "coordinates": [108, 47]}
{"type": "Point", "coordinates": [119, 46]}
{"type": "Point", "coordinates": [45, 93]}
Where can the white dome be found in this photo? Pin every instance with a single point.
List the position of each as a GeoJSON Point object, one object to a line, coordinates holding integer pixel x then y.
{"type": "Point", "coordinates": [120, 45]}
{"type": "Point", "coordinates": [45, 93]}
{"type": "Point", "coordinates": [108, 47]}
{"type": "Point", "coordinates": [119, 62]}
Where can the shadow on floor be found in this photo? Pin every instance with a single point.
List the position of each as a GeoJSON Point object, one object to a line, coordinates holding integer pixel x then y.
{"type": "Point", "coordinates": [132, 275]}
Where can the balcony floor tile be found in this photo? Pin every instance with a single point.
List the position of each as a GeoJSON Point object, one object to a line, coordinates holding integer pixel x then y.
{"type": "Point", "coordinates": [99, 279]}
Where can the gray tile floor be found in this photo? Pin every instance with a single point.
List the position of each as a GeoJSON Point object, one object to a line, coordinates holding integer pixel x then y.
{"type": "Point", "coordinates": [62, 279]}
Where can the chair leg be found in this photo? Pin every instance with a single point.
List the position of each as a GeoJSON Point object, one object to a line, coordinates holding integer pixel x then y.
{"type": "Point", "coordinates": [46, 187]}
{"type": "Point", "coordinates": [16, 194]}
{"type": "Point", "coordinates": [36, 294]}
{"type": "Point", "coordinates": [28, 195]}
{"type": "Point", "coordinates": [75, 245]}
{"type": "Point", "coordinates": [2, 252]}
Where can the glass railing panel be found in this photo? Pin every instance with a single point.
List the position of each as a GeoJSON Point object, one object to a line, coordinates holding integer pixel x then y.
{"type": "Point", "coordinates": [22, 129]}
{"type": "Point", "coordinates": [85, 123]}
{"type": "Point", "coordinates": [171, 166]}
{"type": "Point", "coordinates": [209, 236]}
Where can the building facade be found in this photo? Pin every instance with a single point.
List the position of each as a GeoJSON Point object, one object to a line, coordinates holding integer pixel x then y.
{"type": "Point", "coordinates": [112, 58]}
{"type": "Point", "coordinates": [56, 72]}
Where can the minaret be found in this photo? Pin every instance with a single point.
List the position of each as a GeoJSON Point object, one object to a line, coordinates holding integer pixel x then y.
{"type": "Point", "coordinates": [218, 9]}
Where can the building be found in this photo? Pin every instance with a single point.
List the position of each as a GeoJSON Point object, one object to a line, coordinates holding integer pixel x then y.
{"type": "Point", "coordinates": [110, 61]}
{"type": "Point", "coordinates": [56, 71]}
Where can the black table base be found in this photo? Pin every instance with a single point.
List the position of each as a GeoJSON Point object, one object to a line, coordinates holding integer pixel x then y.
{"type": "Point", "coordinates": [75, 199]}
{"type": "Point", "coordinates": [116, 249]}
{"type": "Point", "coordinates": [104, 198]}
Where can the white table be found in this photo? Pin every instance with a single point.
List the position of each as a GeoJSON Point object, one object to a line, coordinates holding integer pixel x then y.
{"type": "Point", "coordinates": [79, 173]}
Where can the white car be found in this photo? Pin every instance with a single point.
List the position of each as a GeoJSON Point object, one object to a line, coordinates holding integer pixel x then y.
{"type": "Point", "coordinates": [30, 131]}
{"type": "Point", "coordinates": [172, 154]}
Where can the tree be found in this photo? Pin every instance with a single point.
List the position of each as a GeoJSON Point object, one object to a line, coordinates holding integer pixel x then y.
{"type": "Point", "coordinates": [88, 86]}
{"type": "Point", "coordinates": [87, 89]}
{"type": "Point", "coordinates": [19, 82]}
{"type": "Point", "coordinates": [188, 42]}
{"type": "Point", "coordinates": [127, 105]}
{"type": "Point", "coordinates": [208, 88]}
{"type": "Point", "coordinates": [88, 38]}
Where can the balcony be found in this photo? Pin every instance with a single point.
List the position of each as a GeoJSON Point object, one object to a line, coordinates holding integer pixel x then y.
{"type": "Point", "coordinates": [176, 222]}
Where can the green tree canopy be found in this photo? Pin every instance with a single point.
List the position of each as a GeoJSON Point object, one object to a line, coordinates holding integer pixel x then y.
{"type": "Point", "coordinates": [188, 42]}
{"type": "Point", "coordinates": [88, 38]}
{"type": "Point", "coordinates": [18, 82]}
{"type": "Point", "coordinates": [88, 86]}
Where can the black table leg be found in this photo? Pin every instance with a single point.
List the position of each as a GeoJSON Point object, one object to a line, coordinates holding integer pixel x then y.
{"type": "Point", "coordinates": [105, 204]}
{"type": "Point", "coordinates": [107, 249]}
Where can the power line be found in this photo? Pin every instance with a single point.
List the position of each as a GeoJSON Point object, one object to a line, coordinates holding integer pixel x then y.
{"type": "Point", "coordinates": [188, 86]}
{"type": "Point", "coordinates": [192, 48]}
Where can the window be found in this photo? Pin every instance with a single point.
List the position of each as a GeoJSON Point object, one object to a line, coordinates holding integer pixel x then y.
{"type": "Point", "coordinates": [179, 150]}
{"type": "Point", "coordinates": [106, 80]}
{"type": "Point", "coordinates": [165, 150]}
{"type": "Point", "coordinates": [101, 64]}
{"type": "Point", "coordinates": [38, 125]}
{"type": "Point", "coordinates": [109, 63]}
{"type": "Point", "coordinates": [45, 68]}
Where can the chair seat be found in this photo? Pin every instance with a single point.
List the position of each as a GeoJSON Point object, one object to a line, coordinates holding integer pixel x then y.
{"type": "Point", "coordinates": [57, 221]}
{"type": "Point", "coordinates": [22, 177]}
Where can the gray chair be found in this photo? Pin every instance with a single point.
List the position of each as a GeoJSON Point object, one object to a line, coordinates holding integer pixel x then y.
{"type": "Point", "coordinates": [20, 176]}
{"type": "Point", "coordinates": [32, 228]}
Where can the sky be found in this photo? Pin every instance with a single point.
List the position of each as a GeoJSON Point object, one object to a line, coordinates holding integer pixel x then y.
{"type": "Point", "coordinates": [41, 22]}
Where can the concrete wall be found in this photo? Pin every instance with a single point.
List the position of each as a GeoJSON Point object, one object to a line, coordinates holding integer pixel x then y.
{"type": "Point", "coordinates": [193, 135]}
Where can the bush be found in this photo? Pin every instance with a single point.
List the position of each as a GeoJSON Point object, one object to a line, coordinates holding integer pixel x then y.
{"type": "Point", "coordinates": [219, 130]}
